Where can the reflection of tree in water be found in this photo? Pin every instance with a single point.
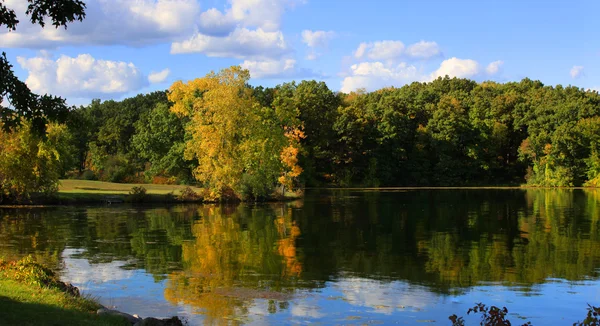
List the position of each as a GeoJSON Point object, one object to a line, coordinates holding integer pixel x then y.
{"type": "Point", "coordinates": [238, 255]}
{"type": "Point", "coordinates": [225, 257]}
{"type": "Point", "coordinates": [454, 239]}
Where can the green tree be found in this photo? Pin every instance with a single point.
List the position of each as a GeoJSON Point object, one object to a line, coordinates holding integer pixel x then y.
{"type": "Point", "coordinates": [160, 140]}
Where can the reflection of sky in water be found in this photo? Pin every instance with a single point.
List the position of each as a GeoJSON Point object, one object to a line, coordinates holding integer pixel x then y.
{"type": "Point", "coordinates": [346, 300]}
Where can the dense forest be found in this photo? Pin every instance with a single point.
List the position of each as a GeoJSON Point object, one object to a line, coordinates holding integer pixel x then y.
{"type": "Point", "coordinates": [244, 141]}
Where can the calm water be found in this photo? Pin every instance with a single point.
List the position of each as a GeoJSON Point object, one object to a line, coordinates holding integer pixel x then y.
{"type": "Point", "coordinates": [336, 257]}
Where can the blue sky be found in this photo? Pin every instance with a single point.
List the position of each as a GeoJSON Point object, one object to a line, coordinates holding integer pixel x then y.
{"type": "Point", "coordinates": [126, 47]}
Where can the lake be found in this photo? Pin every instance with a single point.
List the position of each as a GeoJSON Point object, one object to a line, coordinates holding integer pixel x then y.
{"type": "Point", "coordinates": [334, 257]}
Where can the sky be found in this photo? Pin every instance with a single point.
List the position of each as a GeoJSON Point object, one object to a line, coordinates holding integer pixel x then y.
{"type": "Point", "coordinates": [127, 47]}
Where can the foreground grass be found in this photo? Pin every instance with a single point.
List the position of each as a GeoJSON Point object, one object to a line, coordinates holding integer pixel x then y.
{"type": "Point", "coordinates": [22, 304]}
{"type": "Point", "coordinates": [30, 295]}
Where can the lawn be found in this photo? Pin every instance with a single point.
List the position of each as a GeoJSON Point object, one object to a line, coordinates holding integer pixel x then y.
{"type": "Point", "coordinates": [109, 188]}
{"type": "Point", "coordinates": [83, 191]}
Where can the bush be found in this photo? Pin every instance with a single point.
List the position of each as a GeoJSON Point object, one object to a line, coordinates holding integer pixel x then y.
{"type": "Point", "coordinates": [137, 195]}
{"type": "Point", "coordinates": [187, 194]}
{"type": "Point", "coordinates": [88, 175]}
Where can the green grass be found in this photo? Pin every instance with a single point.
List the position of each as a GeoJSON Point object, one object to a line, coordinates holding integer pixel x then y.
{"type": "Point", "coordinates": [30, 294]}
{"type": "Point", "coordinates": [104, 188]}
{"type": "Point", "coordinates": [77, 191]}
{"type": "Point", "coordinates": [22, 304]}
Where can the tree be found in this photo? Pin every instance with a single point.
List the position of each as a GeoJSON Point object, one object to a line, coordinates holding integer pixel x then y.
{"type": "Point", "coordinates": [160, 140]}
{"type": "Point", "coordinates": [22, 103]}
{"type": "Point", "coordinates": [29, 163]}
{"type": "Point", "coordinates": [237, 142]}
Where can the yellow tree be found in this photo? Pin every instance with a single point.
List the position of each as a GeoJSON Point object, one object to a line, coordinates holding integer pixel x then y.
{"type": "Point", "coordinates": [30, 164]}
{"type": "Point", "coordinates": [239, 145]}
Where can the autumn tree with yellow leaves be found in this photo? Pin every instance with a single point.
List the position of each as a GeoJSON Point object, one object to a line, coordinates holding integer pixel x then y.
{"type": "Point", "coordinates": [242, 148]}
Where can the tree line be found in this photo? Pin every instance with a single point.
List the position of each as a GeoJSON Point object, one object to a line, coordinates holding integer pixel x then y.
{"type": "Point", "coordinates": [243, 141]}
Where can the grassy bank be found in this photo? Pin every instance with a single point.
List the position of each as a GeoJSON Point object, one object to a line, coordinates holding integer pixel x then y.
{"type": "Point", "coordinates": [32, 295]}
{"type": "Point", "coordinates": [86, 191]}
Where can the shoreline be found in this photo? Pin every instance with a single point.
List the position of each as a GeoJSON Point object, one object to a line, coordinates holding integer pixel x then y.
{"type": "Point", "coordinates": [108, 197]}
{"type": "Point", "coordinates": [34, 293]}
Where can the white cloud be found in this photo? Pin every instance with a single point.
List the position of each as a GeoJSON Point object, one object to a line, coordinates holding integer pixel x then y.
{"type": "Point", "coordinates": [264, 14]}
{"type": "Point", "coordinates": [424, 50]}
{"type": "Point", "coordinates": [110, 22]}
{"type": "Point", "coordinates": [362, 49]}
{"type": "Point", "coordinates": [390, 50]}
{"type": "Point", "coordinates": [375, 75]}
{"type": "Point", "coordinates": [215, 23]}
{"type": "Point", "coordinates": [494, 67]}
{"type": "Point", "coordinates": [381, 50]}
{"type": "Point", "coordinates": [82, 76]}
{"type": "Point", "coordinates": [461, 68]}
{"type": "Point", "coordinates": [316, 39]}
{"type": "Point", "coordinates": [241, 43]}
{"type": "Point", "coordinates": [248, 29]}
{"type": "Point", "coordinates": [159, 77]}
{"type": "Point", "coordinates": [276, 69]}
{"type": "Point", "coordinates": [576, 72]}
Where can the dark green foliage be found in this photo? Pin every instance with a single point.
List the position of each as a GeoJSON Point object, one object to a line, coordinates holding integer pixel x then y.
{"type": "Point", "coordinates": [22, 103]}
{"type": "Point", "coordinates": [160, 140]}
{"type": "Point", "coordinates": [448, 132]}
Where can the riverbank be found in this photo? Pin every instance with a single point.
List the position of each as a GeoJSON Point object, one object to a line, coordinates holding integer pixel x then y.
{"type": "Point", "coordinates": [72, 192]}
{"type": "Point", "coordinates": [88, 192]}
{"type": "Point", "coordinates": [31, 294]}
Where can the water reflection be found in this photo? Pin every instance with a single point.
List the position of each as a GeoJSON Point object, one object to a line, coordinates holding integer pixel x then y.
{"type": "Point", "coordinates": [337, 256]}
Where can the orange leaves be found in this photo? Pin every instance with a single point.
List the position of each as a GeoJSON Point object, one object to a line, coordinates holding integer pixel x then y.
{"type": "Point", "coordinates": [289, 157]}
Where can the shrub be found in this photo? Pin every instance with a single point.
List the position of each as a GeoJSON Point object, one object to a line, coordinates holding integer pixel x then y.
{"type": "Point", "coordinates": [88, 175]}
{"type": "Point", "coordinates": [188, 194]}
{"type": "Point", "coordinates": [592, 317]}
{"type": "Point", "coordinates": [137, 195]}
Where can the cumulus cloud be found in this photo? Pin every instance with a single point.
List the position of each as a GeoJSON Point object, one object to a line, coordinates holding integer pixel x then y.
{"type": "Point", "coordinates": [381, 50]}
{"type": "Point", "coordinates": [375, 75]}
{"type": "Point", "coordinates": [576, 72]}
{"type": "Point", "coordinates": [241, 43]}
{"type": "Point", "coordinates": [390, 50]}
{"type": "Point", "coordinates": [285, 68]}
{"type": "Point", "coordinates": [316, 39]}
{"type": "Point", "coordinates": [424, 50]}
{"type": "Point", "coordinates": [494, 67]}
{"type": "Point", "coordinates": [159, 77]}
{"type": "Point", "coordinates": [81, 76]}
{"type": "Point", "coordinates": [461, 68]}
{"type": "Point", "coordinates": [124, 22]}
{"type": "Point", "coordinates": [248, 29]}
